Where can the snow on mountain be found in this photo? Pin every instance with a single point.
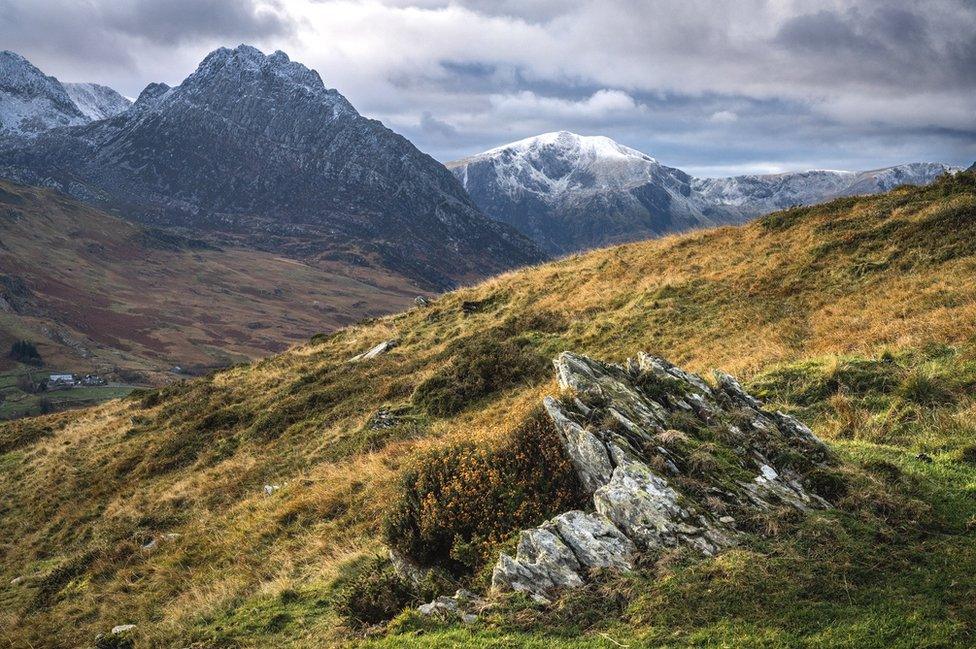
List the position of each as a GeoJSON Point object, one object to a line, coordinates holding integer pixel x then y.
{"type": "Point", "coordinates": [753, 195]}
{"type": "Point", "coordinates": [30, 101]}
{"type": "Point", "coordinates": [570, 192]}
{"type": "Point", "coordinates": [96, 101]}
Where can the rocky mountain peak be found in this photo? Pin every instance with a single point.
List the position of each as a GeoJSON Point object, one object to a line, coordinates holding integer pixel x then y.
{"type": "Point", "coordinates": [555, 163]}
{"type": "Point", "coordinates": [272, 74]}
{"type": "Point", "coordinates": [151, 93]}
{"type": "Point", "coordinates": [256, 145]}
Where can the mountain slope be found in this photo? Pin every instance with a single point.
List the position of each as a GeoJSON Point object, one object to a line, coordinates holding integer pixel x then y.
{"type": "Point", "coordinates": [30, 101]}
{"type": "Point", "coordinates": [96, 101]}
{"type": "Point", "coordinates": [99, 294]}
{"type": "Point", "coordinates": [570, 192]}
{"type": "Point", "coordinates": [256, 149]}
{"type": "Point", "coordinates": [857, 315]}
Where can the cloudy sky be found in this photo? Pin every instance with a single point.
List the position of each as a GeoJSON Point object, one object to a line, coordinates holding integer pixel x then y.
{"type": "Point", "coordinates": [712, 87]}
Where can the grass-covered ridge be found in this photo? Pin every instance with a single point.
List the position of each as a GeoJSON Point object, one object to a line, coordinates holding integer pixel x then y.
{"type": "Point", "coordinates": [859, 315]}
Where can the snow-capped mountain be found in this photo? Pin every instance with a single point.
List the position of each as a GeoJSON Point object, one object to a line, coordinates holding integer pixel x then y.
{"type": "Point", "coordinates": [570, 192]}
{"type": "Point", "coordinates": [96, 101]}
{"type": "Point", "coordinates": [257, 149]}
{"type": "Point", "coordinates": [30, 101]}
{"type": "Point", "coordinates": [753, 195]}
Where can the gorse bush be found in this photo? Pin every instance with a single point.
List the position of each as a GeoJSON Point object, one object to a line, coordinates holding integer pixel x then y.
{"type": "Point", "coordinates": [459, 502]}
{"type": "Point", "coordinates": [480, 366]}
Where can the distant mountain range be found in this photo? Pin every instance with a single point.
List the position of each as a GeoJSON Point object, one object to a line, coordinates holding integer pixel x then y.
{"type": "Point", "coordinates": [255, 150]}
{"type": "Point", "coordinates": [32, 102]}
{"type": "Point", "coordinates": [570, 192]}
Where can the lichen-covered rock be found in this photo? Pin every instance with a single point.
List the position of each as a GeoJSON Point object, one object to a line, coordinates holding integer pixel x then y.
{"type": "Point", "coordinates": [560, 553]}
{"type": "Point", "coordinates": [594, 540]}
{"type": "Point", "coordinates": [670, 460]}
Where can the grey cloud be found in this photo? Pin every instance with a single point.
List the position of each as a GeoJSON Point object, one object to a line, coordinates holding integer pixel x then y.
{"type": "Point", "coordinates": [178, 21]}
{"type": "Point", "coordinates": [435, 127]}
{"type": "Point", "coordinates": [817, 82]}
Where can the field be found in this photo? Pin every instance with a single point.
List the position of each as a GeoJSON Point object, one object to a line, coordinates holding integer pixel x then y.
{"type": "Point", "coordinates": [858, 315]}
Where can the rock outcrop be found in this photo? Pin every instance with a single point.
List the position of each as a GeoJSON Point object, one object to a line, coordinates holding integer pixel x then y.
{"type": "Point", "coordinates": [671, 462]}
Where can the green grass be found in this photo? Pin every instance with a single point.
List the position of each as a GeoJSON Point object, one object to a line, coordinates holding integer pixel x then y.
{"type": "Point", "coordinates": [20, 404]}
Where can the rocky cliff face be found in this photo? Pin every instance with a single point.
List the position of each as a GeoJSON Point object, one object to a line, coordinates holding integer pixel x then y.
{"type": "Point", "coordinates": [669, 460]}
{"type": "Point", "coordinates": [257, 148]}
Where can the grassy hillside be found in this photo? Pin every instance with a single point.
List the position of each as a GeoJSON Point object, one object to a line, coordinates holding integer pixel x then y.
{"type": "Point", "coordinates": [858, 315]}
{"type": "Point", "coordinates": [96, 293]}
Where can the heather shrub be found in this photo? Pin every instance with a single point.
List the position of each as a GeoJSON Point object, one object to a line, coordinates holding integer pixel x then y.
{"type": "Point", "coordinates": [457, 503]}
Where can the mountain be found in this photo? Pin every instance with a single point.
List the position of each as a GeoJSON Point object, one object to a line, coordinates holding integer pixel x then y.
{"type": "Point", "coordinates": [570, 192]}
{"type": "Point", "coordinates": [255, 149]}
{"type": "Point", "coordinates": [753, 195]}
{"type": "Point", "coordinates": [30, 101]}
{"type": "Point", "coordinates": [95, 101]}
{"type": "Point", "coordinates": [95, 293]}
{"type": "Point", "coordinates": [256, 507]}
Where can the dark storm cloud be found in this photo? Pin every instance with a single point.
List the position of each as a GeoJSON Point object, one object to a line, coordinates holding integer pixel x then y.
{"type": "Point", "coordinates": [178, 21]}
{"type": "Point", "coordinates": [894, 46]}
{"type": "Point", "coordinates": [110, 32]}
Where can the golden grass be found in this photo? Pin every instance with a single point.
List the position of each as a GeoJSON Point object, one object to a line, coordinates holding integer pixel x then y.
{"type": "Point", "coordinates": [853, 276]}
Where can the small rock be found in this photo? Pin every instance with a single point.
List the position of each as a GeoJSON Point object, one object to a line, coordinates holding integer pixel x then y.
{"type": "Point", "coordinates": [122, 628]}
{"type": "Point", "coordinates": [768, 472]}
{"type": "Point", "coordinates": [459, 605]}
{"type": "Point", "coordinates": [269, 489]}
{"type": "Point", "coordinates": [17, 580]}
{"type": "Point", "coordinates": [382, 348]}
{"type": "Point", "coordinates": [406, 569]}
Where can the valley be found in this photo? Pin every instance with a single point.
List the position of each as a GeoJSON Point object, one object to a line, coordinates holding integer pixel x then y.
{"type": "Point", "coordinates": [98, 294]}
